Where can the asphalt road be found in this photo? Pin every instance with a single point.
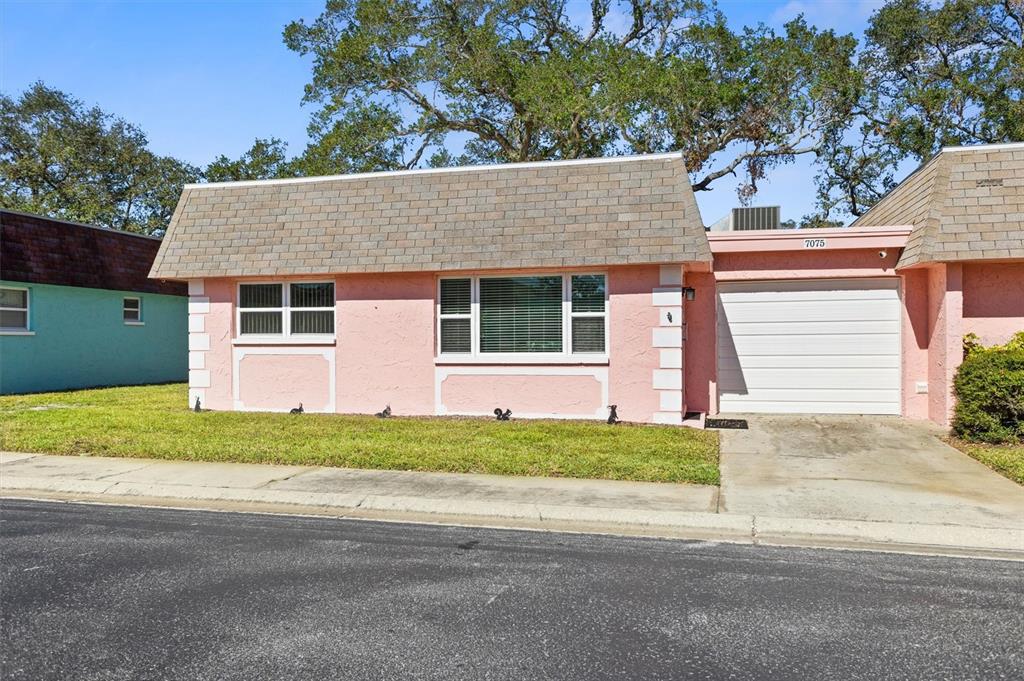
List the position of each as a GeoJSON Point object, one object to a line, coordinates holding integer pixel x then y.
{"type": "Point", "coordinates": [98, 592]}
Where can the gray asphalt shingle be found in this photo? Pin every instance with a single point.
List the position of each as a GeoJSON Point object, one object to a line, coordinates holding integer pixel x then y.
{"type": "Point", "coordinates": [629, 210]}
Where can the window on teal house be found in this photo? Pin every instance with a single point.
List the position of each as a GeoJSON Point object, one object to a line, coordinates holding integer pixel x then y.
{"type": "Point", "coordinates": [13, 309]}
{"type": "Point", "coordinates": [131, 311]}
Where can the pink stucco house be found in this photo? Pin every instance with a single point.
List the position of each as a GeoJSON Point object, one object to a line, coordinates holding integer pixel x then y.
{"type": "Point", "coordinates": [558, 289]}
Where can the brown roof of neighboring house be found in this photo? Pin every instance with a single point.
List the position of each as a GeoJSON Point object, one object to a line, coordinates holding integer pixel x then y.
{"type": "Point", "coordinates": [966, 203]}
{"type": "Point", "coordinates": [39, 250]}
{"type": "Point", "coordinates": [607, 211]}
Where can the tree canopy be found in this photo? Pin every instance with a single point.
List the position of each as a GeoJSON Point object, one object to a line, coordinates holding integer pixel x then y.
{"type": "Point", "coordinates": [62, 159]}
{"type": "Point", "coordinates": [407, 83]}
{"type": "Point", "coordinates": [399, 81]}
{"type": "Point", "coordinates": [933, 76]}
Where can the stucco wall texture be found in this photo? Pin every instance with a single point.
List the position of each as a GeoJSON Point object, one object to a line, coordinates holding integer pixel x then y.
{"type": "Point", "coordinates": [385, 355]}
{"type": "Point", "coordinates": [80, 341]}
{"type": "Point", "coordinates": [993, 300]}
{"type": "Point", "coordinates": [385, 350]}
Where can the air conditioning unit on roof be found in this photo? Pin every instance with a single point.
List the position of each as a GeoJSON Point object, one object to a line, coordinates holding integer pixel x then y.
{"type": "Point", "coordinates": [747, 219]}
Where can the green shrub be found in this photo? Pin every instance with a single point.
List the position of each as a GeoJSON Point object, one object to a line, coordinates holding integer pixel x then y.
{"type": "Point", "coordinates": [989, 388]}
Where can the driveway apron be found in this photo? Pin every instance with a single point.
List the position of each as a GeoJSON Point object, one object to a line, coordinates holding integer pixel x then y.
{"type": "Point", "coordinates": [860, 468]}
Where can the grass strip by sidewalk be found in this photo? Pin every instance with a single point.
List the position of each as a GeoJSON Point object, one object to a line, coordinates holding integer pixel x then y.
{"type": "Point", "coordinates": [1005, 459]}
{"type": "Point", "coordinates": [154, 422]}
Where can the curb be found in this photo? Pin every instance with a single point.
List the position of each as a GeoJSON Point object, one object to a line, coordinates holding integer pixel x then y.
{"type": "Point", "coordinates": [976, 542]}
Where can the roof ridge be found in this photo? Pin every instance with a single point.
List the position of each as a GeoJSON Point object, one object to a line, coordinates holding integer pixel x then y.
{"type": "Point", "coordinates": [996, 146]}
{"type": "Point", "coordinates": [449, 169]}
{"type": "Point", "coordinates": [938, 196]}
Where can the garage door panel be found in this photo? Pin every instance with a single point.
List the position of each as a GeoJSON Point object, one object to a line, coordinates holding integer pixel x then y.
{"type": "Point", "coordinates": [832, 344]}
{"type": "Point", "coordinates": [809, 347]}
{"type": "Point", "coordinates": [800, 293]}
{"type": "Point", "coordinates": [808, 288]}
{"type": "Point", "coordinates": [749, 380]}
{"type": "Point", "coordinates": [759, 407]}
{"type": "Point", "coordinates": [810, 311]}
{"type": "Point", "coordinates": [824, 395]}
{"type": "Point", "coordinates": [773, 328]}
{"type": "Point", "coordinates": [809, 362]}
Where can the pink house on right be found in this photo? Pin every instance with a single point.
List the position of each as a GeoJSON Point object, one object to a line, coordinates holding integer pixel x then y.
{"type": "Point", "coordinates": [559, 289]}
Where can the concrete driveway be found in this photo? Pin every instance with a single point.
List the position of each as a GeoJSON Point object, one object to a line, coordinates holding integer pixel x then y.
{"type": "Point", "coordinates": [860, 468]}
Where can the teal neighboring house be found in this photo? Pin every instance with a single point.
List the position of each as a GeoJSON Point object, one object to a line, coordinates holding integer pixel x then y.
{"type": "Point", "coordinates": [78, 310]}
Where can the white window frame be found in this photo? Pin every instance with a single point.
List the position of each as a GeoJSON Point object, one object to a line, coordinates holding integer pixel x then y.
{"type": "Point", "coordinates": [286, 334]}
{"type": "Point", "coordinates": [19, 330]}
{"type": "Point", "coordinates": [474, 297]}
{"type": "Point", "coordinates": [567, 356]}
{"type": "Point", "coordinates": [132, 322]}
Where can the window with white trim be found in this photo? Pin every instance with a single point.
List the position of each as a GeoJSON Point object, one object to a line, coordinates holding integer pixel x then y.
{"type": "Point", "coordinates": [588, 313]}
{"type": "Point", "coordinates": [456, 319]}
{"type": "Point", "coordinates": [551, 315]}
{"type": "Point", "coordinates": [13, 309]}
{"type": "Point", "coordinates": [304, 308]}
{"type": "Point", "coordinates": [131, 310]}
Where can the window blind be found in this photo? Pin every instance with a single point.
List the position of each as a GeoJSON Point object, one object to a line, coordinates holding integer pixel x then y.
{"type": "Point", "coordinates": [455, 296]}
{"type": "Point", "coordinates": [588, 313]}
{"type": "Point", "coordinates": [456, 332]}
{"type": "Point", "coordinates": [312, 295]}
{"type": "Point", "coordinates": [261, 323]}
{"type": "Point", "coordinates": [521, 314]}
{"type": "Point", "coordinates": [260, 295]}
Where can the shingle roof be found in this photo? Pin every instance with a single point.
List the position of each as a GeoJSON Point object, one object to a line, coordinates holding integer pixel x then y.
{"type": "Point", "coordinates": [966, 203]}
{"type": "Point", "coordinates": [38, 250]}
{"type": "Point", "coordinates": [588, 212]}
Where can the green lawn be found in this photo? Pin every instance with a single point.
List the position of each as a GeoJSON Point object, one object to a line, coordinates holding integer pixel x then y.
{"type": "Point", "coordinates": [1006, 459]}
{"type": "Point", "coordinates": [153, 421]}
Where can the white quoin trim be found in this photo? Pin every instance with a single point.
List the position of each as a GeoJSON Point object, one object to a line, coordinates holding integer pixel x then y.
{"type": "Point", "coordinates": [671, 358]}
{"type": "Point", "coordinates": [198, 341]}
{"type": "Point", "coordinates": [671, 316]}
{"type": "Point", "coordinates": [199, 378]}
{"type": "Point", "coordinates": [198, 305]}
{"type": "Point", "coordinates": [667, 297]}
{"type": "Point", "coordinates": [441, 373]}
{"type": "Point", "coordinates": [667, 337]}
{"type": "Point", "coordinates": [670, 400]}
{"type": "Point", "coordinates": [667, 379]}
{"type": "Point", "coordinates": [670, 275]}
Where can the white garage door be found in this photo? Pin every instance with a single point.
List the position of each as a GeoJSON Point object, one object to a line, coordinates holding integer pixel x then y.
{"type": "Point", "coordinates": [825, 347]}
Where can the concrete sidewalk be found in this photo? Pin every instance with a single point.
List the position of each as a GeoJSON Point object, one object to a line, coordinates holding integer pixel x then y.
{"type": "Point", "coordinates": [686, 511]}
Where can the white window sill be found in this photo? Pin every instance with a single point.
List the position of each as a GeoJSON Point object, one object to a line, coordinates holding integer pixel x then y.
{"type": "Point", "coordinates": [135, 323]}
{"type": "Point", "coordinates": [285, 340]}
{"type": "Point", "coordinates": [15, 332]}
{"type": "Point", "coordinates": [522, 359]}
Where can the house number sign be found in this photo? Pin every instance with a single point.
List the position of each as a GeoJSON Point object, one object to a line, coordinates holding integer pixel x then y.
{"type": "Point", "coordinates": [814, 243]}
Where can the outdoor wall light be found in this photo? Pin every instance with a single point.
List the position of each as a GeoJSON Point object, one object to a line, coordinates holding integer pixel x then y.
{"type": "Point", "coordinates": [689, 293]}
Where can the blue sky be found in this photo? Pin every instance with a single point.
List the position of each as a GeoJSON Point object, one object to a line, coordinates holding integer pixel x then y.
{"type": "Point", "coordinates": [205, 78]}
